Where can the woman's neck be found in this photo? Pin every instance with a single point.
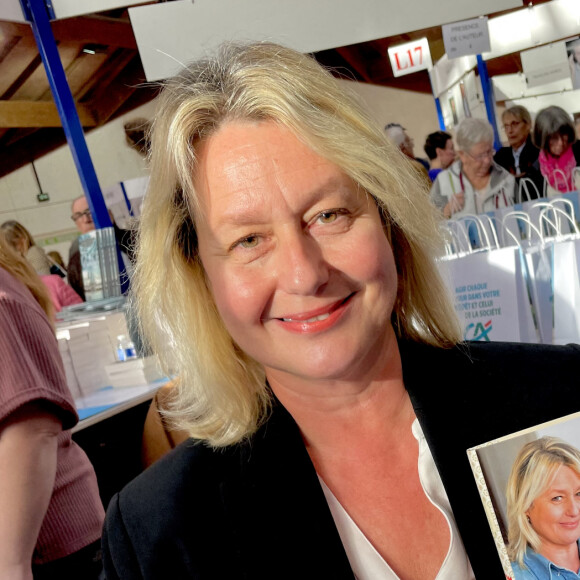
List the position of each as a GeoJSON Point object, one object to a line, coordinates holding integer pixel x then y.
{"type": "Point", "coordinates": [562, 556]}
{"type": "Point", "coordinates": [334, 416]}
{"type": "Point", "coordinates": [478, 181]}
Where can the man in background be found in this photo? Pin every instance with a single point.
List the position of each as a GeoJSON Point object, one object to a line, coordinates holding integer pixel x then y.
{"type": "Point", "coordinates": [81, 216]}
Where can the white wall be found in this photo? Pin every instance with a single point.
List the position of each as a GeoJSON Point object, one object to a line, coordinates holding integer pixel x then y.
{"type": "Point", "coordinates": [415, 111]}
{"type": "Point", "coordinates": [113, 159]}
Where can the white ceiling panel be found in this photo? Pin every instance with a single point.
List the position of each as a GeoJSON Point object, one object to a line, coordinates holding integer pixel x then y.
{"type": "Point", "coordinates": [69, 8]}
{"type": "Point", "coordinates": [11, 11]}
{"type": "Point", "coordinates": [170, 34]}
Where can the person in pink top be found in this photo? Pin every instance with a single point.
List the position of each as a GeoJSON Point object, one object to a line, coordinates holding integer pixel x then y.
{"type": "Point", "coordinates": [60, 292]}
{"type": "Point", "coordinates": [51, 512]}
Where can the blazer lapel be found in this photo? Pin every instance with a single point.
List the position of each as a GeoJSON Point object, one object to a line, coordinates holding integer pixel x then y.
{"type": "Point", "coordinates": [278, 511]}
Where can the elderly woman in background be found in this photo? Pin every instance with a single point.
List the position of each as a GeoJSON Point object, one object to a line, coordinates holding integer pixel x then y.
{"type": "Point", "coordinates": [474, 183]}
{"type": "Point", "coordinates": [521, 155]}
{"type": "Point", "coordinates": [286, 255]}
{"type": "Point", "coordinates": [543, 505]}
{"type": "Point", "coordinates": [51, 512]}
{"type": "Point", "coordinates": [555, 135]}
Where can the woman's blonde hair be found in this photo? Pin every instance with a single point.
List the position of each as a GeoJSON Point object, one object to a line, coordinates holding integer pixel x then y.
{"type": "Point", "coordinates": [17, 266]}
{"type": "Point", "coordinates": [532, 473]}
{"type": "Point", "coordinates": [223, 396]}
{"type": "Point", "coordinates": [14, 232]}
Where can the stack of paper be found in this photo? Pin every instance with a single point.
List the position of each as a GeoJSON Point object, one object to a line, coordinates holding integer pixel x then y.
{"type": "Point", "coordinates": [138, 371]}
{"type": "Point", "coordinates": [91, 349]}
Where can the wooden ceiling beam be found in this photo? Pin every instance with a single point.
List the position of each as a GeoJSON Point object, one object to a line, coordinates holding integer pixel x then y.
{"type": "Point", "coordinates": [33, 146]}
{"type": "Point", "coordinates": [38, 114]}
{"type": "Point", "coordinates": [108, 99]}
{"type": "Point", "coordinates": [84, 29]}
{"type": "Point", "coordinates": [21, 58]}
{"type": "Point", "coordinates": [348, 54]}
{"type": "Point", "coordinates": [95, 30]}
{"type": "Point", "coordinates": [106, 74]}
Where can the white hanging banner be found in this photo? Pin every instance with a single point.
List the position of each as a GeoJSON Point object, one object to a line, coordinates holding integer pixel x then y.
{"type": "Point", "coordinates": [410, 57]}
{"type": "Point", "coordinates": [466, 37]}
{"type": "Point", "coordinates": [545, 64]}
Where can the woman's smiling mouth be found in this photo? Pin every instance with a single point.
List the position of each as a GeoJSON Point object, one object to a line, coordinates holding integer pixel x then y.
{"type": "Point", "coordinates": [316, 320]}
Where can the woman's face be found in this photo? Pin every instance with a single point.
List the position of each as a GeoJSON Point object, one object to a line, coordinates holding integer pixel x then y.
{"type": "Point", "coordinates": [476, 162]}
{"type": "Point", "coordinates": [516, 130]}
{"type": "Point", "coordinates": [295, 255]}
{"type": "Point", "coordinates": [558, 144]}
{"type": "Point", "coordinates": [555, 514]}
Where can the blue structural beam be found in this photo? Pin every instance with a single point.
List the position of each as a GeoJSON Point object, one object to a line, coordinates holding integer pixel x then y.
{"type": "Point", "coordinates": [488, 99]}
{"type": "Point", "coordinates": [439, 113]}
{"type": "Point", "coordinates": [37, 14]}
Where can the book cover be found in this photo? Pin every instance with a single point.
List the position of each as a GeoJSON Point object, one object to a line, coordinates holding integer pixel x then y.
{"type": "Point", "coordinates": [522, 477]}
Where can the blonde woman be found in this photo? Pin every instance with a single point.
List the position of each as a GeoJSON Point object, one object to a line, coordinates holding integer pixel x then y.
{"type": "Point", "coordinates": [543, 502]}
{"type": "Point", "coordinates": [21, 240]}
{"type": "Point", "coordinates": [285, 273]}
{"type": "Point", "coordinates": [49, 501]}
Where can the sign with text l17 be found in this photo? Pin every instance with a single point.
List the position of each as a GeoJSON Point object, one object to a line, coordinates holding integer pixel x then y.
{"type": "Point", "coordinates": [410, 57]}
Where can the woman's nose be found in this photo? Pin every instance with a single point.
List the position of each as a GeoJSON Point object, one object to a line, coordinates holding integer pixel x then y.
{"type": "Point", "coordinates": [301, 267]}
{"type": "Point", "coordinates": [574, 506]}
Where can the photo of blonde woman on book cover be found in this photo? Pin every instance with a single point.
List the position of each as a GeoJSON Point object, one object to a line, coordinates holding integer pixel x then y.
{"type": "Point", "coordinates": [530, 486]}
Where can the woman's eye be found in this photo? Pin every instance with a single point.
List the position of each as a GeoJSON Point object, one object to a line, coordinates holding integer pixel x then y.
{"type": "Point", "coordinates": [327, 217]}
{"type": "Point", "coordinates": [331, 215]}
{"type": "Point", "coordinates": [557, 498]}
{"type": "Point", "coordinates": [247, 242]}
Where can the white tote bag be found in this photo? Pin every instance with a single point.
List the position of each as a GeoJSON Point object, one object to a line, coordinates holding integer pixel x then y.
{"type": "Point", "coordinates": [491, 295]}
{"type": "Point", "coordinates": [539, 261]}
{"type": "Point", "coordinates": [566, 264]}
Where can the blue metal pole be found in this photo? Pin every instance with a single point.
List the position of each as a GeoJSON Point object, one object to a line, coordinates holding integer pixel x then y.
{"type": "Point", "coordinates": [439, 114]}
{"type": "Point", "coordinates": [37, 14]}
{"type": "Point", "coordinates": [127, 200]}
{"type": "Point", "coordinates": [488, 98]}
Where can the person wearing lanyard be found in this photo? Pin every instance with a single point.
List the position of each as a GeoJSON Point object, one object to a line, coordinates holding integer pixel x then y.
{"type": "Point", "coordinates": [474, 183]}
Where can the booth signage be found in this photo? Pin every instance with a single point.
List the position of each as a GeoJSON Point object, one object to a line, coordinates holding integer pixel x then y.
{"type": "Point", "coordinates": [410, 57]}
{"type": "Point", "coordinates": [545, 64]}
{"type": "Point", "coordinates": [466, 37]}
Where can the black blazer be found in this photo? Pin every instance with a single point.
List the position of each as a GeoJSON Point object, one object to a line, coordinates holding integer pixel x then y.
{"type": "Point", "coordinates": [528, 165]}
{"type": "Point", "coordinates": [256, 510]}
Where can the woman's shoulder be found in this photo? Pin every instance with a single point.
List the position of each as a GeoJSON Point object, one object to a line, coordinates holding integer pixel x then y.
{"type": "Point", "coordinates": [14, 294]}
{"type": "Point", "coordinates": [522, 573]}
{"type": "Point", "coordinates": [502, 370]}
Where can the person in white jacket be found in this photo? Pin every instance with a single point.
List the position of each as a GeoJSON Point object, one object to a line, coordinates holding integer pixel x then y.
{"type": "Point", "coordinates": [474, 183]}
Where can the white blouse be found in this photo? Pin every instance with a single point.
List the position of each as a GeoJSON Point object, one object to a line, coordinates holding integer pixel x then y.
{"type": "Point", "coordinates": [366, 562]}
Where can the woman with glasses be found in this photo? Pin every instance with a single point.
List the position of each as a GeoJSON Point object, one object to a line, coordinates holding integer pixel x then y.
{"type": "Point", "coordinates": [474, 183]}
{"type": "Point", "coordinates": [555, 135]}
{"type": "Point", "coordinates": [520, 155]}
